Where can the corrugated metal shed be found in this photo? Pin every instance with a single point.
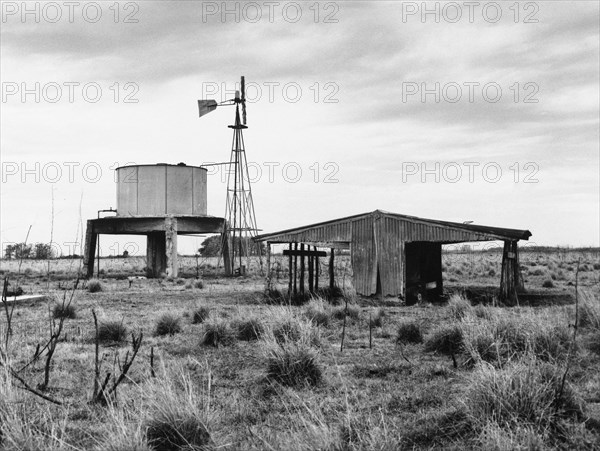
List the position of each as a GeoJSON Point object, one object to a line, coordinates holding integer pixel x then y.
{"type": "Point", "coordinates": [377, 242]}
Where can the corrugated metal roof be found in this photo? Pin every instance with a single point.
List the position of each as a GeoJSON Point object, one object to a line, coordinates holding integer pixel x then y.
{"type": "Point", "coordinates": [410, 228]}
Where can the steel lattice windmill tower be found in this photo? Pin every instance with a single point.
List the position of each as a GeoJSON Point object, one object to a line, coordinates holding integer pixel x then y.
{"type": "Point", "coordinates": [241, 226]}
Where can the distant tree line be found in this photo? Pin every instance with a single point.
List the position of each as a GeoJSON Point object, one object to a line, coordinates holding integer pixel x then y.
{"type": "Point", "coordinates": [37, 251]}
{"type": "Point", "coordinates": [211, 246]}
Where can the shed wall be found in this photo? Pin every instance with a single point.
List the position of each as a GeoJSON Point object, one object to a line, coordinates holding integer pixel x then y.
{"type": "Point", "coordinates": [364, 257]}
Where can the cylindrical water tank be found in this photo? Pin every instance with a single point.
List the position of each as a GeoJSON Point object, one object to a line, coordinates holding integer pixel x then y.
{"type": "Point", "coordinates": [161, 189]}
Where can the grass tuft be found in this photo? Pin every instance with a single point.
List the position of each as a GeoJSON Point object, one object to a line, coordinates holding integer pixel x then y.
{"type": "Point", "coordinates": [547, 284]}
{"type": "Point", "coordinates": [249, 330]}
{"type": "Point", "coordinates": [200, 315]}
{"type": "Point", "coordinates": [175, 415]}
{"type": "Point", "coordinates": [446, 339]}
{"type": "Point", "coordinates": [167, 324]}
{"type": "Point", "coordinates": [199, 284]}
{"type": "Point", "coordinates": [177, 434]}
{"type": "Point", "coordinates": [525, 393]}
{"type": "Point", "coordinates": [377, 318]}
{"type": "Point", "coordinates": [216, 334]}
{"type": "Point", "coordinates": [294, 364]}
{"type": "Point", "coordinates": [286, 331]}
{"type": "Point", "coordinates": [112, 331]}
{"type": "Point", "coordinates": [460, 307]}
{"type": "Point", "coordinates": [589, 311]}
{"type": "Point", "coordinates": [353, 312]}
{"type": "Point", "coordinates": [317, 313]}
{"type": "Point", "coordinates": [409, 332]}
{"type": "Point", "coordinates": [64, 311]}
{"type": "Point", "coordinates": [94, 286]}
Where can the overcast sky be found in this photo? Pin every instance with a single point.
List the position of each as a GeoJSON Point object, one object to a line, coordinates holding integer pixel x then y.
{"type": "Point", "coordinates": [486, 113]}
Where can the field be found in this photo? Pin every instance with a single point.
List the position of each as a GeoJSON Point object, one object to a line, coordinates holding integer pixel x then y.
{"type": "Point", "coordinates": [235, 370]}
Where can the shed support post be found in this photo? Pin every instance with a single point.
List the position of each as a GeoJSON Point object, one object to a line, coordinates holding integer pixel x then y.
{"type": "Point", "coordinates": [90, 249]}
{"type": "Point", "coordinates": [268, 266]}
{"type": "Point", "coordinates": [171, 246]}
{"type": "Point", "coordinates": [518, 276]}
{"type": "Point", "coordinates": [290, 270]}
{"type": "Point", "coordinates": [316, 268]}
{"type": "Point", "coordinates": [302, 268]}
{"type": "Point", "coordinates": [331, 272]}
{"type": "Point", "coordinates": [311, 276]}
{"type": "Point", "coordinates": [296, 269]}
{"type": "Point", "coordinates": [508, 286]}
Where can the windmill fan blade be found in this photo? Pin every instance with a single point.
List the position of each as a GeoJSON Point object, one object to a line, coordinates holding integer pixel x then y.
{"type": "Point", "coordinates": [244, 113]}
{"type": "Point", "coordinates": [206, 106]}
{"type": "Point", "coordinates": [243, 88]}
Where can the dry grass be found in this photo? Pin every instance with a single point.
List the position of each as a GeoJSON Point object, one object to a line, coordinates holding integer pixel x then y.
{"type": "Point", "coordinates": [293, 389]}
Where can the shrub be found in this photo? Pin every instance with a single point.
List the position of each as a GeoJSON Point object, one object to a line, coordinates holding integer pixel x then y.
{"type": "Point", "coordinates": [217, 333]}
{"type": "Point", "coordinates": [94, 286]}
{"type": "Point", "coordinates": [249, 330]}
{"type": "Point", "coordinates": [293, 364]}
{"type": "Point", "coordinates": [200, 315]}
{"type": "Point", "coordinates": [112, 331]}
{"type": "Point", "coordinates": [377, 318]}
{"type": "Point", "coordinates": [548, 284]}
{"type": "Point", "coordinates": [459, 306]}
{"type": "Point", "coordinates": [409, 332]}
{"type": "Point", "coordinates": [66, 311]}
{"type": "Point", "coordinates": [537, 272]}
{"type": "Point", "coordinates": [167, 325]}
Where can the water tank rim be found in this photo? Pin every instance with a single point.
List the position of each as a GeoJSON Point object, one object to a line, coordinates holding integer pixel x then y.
{"type": "Point", "coordinates": [161, 165]}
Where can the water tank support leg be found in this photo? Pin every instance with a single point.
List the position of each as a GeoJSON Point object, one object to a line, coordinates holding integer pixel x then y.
{"type": "Point", "coordinates": [171, 246]}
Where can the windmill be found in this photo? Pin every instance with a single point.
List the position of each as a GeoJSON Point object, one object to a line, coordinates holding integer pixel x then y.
{"type": "Point", "coordinates": [240, 226]}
